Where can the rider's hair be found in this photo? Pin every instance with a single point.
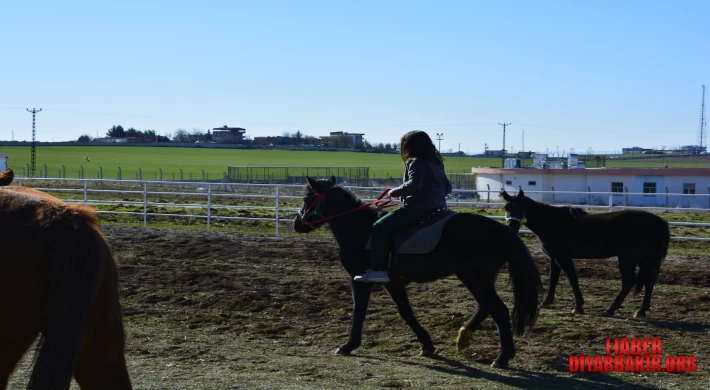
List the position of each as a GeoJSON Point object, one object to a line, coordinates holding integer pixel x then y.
{"type": "Point", "coordinates": [417, 144]}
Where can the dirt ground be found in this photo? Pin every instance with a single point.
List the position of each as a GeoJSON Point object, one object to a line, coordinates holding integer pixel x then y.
{"type": "Point", "coordinates": [223, 310]}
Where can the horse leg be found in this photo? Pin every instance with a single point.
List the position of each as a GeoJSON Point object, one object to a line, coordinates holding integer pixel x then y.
{"type": "Point", "coordinates": [554, 278]}
{"type": "Point", "coordinates": [399, 296]}
{"type": "Point", "coordinates": [489, 302]}
{"type": "Point", "coordinates": [13, 346]}
{"type": "Point", "coordinates": [568, 266]}
{"type": "Point", "coordinates": [465, 337]}
{"type": "Point", "coordinates": [627, 267]}
{"type": "Point", "coordinates": [649, 282]}
{"type": "Point", "coordinates": [361, 298]}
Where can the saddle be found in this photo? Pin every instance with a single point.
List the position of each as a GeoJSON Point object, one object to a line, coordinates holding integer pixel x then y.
{"type": "Point", "coordinates": [6, 177]}
{"type": "Point", "coordinates": [422, 237]}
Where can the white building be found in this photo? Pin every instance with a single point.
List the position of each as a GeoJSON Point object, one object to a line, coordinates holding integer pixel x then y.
{"type": "Point", "coordinates": [649, 186]}
{"type": "Point", "coordinates": [3, 161]}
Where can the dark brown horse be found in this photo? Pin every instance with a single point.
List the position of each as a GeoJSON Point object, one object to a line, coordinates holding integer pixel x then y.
{"type": "Point", "coordinates": [472, 247]}
{"type": "Point", "coordinates": [566, 233]}
{"type": "Point", "coordinates": [58, 279]}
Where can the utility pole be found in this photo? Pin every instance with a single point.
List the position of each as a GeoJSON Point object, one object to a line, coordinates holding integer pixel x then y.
{"type": "Point", "coordinates": [439, 137]}
{"type": "Point", "coordinates": [503, 151]}
{"type": "Point", "coordinates": [701, 134]}
{"type": "Point", "coordinates": [33, 158]}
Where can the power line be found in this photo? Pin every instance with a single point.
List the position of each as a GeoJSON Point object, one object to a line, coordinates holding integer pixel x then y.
{"type": "Point", "coordinates": [33, 159]}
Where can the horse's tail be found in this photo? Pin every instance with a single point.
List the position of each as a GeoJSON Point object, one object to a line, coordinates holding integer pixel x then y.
{"type": "Point", "coordinates": [527, 286]}
{"type": "Point", "coordinates": [76, 265]}
{"type": "Point", "coordinates": [648, 270]}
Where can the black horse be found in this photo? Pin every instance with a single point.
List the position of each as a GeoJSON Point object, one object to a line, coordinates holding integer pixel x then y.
{"type": "Point", "coordinates": [566, 233]}
{"type": "Point", "coordinates": [472, 247]}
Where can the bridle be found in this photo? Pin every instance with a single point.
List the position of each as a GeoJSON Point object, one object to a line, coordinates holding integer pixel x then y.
{"type": "Point", "coordinates": [313, 210]}
{"type": "Point", "coordinates": [523, 220]}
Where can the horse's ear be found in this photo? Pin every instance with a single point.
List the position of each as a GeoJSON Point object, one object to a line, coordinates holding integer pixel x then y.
{"type": "Point", "coordinates": [507, 197]}
{"type": "Point", "coordinates": [332, 180]}
{"type": "Point", "coordinates": [521, 195]}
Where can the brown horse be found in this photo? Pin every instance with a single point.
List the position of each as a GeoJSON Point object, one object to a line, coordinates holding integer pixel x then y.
{"type": "Point", "coordinates": [58, 278]}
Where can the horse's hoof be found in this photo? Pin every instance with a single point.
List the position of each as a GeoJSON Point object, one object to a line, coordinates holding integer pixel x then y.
{"type": "Point", "coordinates": [500, 363]}
{"type": "Point", "coordinates": [464, 339]}
{"type": "Point", "coordinates": [640, 314]}
{"type": "Point", "coordinates": [342, 352]}
{"type": "Point", "coordinates": [607, 314]}
{"type": "Point", "coordinates": [427, 351]}
{"type": "Point", "coordinates": [578, 310]}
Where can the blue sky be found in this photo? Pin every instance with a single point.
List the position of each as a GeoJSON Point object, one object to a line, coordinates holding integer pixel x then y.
{"type": "Point", "coordinates": [602, 74]}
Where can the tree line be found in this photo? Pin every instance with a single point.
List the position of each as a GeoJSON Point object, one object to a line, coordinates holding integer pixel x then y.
{"type": "Point", "coordinates": [287, 138]}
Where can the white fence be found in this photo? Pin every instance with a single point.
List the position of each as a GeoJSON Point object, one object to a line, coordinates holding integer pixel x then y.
{"type": "Point", "coordinates": [212, 191]}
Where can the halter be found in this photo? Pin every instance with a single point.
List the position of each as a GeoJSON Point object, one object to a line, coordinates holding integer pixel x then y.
{"type": "Point", "coordinates": [522, 220]}
{"type": "Point", "coordinates": [314, 208]}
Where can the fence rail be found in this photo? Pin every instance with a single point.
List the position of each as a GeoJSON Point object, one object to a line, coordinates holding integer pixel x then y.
{"type": "Point", "coordinates": [208, 194]}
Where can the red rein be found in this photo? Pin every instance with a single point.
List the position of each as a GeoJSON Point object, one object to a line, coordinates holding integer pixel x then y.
{"type": "Point", "coordinates": [381, 202]}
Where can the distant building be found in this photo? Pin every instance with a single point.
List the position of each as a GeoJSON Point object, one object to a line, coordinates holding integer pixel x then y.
{"type": "Point", "coordinates": [634, 150]}
{"type": "Point", "coordinates": [124, 140]}
{"type": "Point", "coordinates": [495, 153]}
{"type": "Point", "coordinates": [228, 135]}
{"type": "Point", "coordinates": [277, 140]}
{"type": "Point", "coordinates": [638, 186]}
{"type": "Point", "coordinates": [341, 139]}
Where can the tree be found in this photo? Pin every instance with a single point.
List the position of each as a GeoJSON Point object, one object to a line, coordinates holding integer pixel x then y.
{"type": "Point", "coordinates": [180, 135]}
{"type": "Point", "coordinates": [388, 147]}
{"type": "Point", "coordinates": [131, 132]}
{"type": "Point", "coordinates": [298, 136]}
{"type": "Point", "coordinates": [84, 138]}
{"type": "Point", "coordinates": [116, 132]}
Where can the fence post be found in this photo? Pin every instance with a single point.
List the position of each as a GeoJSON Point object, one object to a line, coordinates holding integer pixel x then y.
{"type": "Point", "coordinates": [23, 172]}
{"type": "Point", "coordinates": [45, 171]}
{"type": "Point", "coordinates": [161, 173]}
{"type": "Point", "coordinates": [140, 174]}
{"type": "Point", "coordinates": [120, 174]}
{"type": "Point", "coordinates": [589, 197]}
{"type": "Point", "coordinates": [277, 211]}
{"type": "Point", "coordinates": [173, 176]}
{"type": "Point", "coordinates": [28, 170]}
{"type": "Point", "coordinates": [666, 197]}
{"type": "Point", "coordinates": [611, 202]}
{"type": "Point", "coordinates": [64, 172]}
{"type": "Point", "coordinates": [626, 201]}
{"type": "Point", "coordinates": [82, 171]}
{"type": "Point", "coordinates": [209, 205]}
{"type": "Point", "coordinates": [180, 174]}
{"type": "Point", "coordinates": [145, 204]}
{"type": "Point", "coordinates": [553, 194]}
{"type": "Point", "coordinates": [203, 175]}
{"type": "Point", "coordinates": [85, 192]}
{"type": "Point", "coordinates": [489, 193]}
{"type": "Point", "coordinates": [101, 172]}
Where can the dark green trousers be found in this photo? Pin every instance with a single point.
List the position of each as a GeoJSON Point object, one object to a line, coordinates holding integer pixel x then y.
{"type": "Point", "coordinates": [384, 229]}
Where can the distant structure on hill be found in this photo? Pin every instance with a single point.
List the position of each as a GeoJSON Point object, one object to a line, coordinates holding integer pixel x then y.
{"type": "Point", "coordinates": [228, 135]}
{"type": "Point", "coordinates": [341, 139]}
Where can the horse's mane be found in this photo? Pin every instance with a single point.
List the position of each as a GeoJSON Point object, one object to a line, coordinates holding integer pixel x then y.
{"type": "Point", "coordinates": [350, 195]}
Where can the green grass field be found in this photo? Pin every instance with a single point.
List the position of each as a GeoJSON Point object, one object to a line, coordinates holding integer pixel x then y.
{"type": "Point", "coordinates": [213, 161]}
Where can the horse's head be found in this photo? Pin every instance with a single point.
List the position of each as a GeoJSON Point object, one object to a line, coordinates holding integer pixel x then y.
{"type": "Point", "coordinates": [6, 177]}
{"type": "Point", "coordinates": [322, 200]}
{"type": "Point", "coordinates": [516, 207]}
